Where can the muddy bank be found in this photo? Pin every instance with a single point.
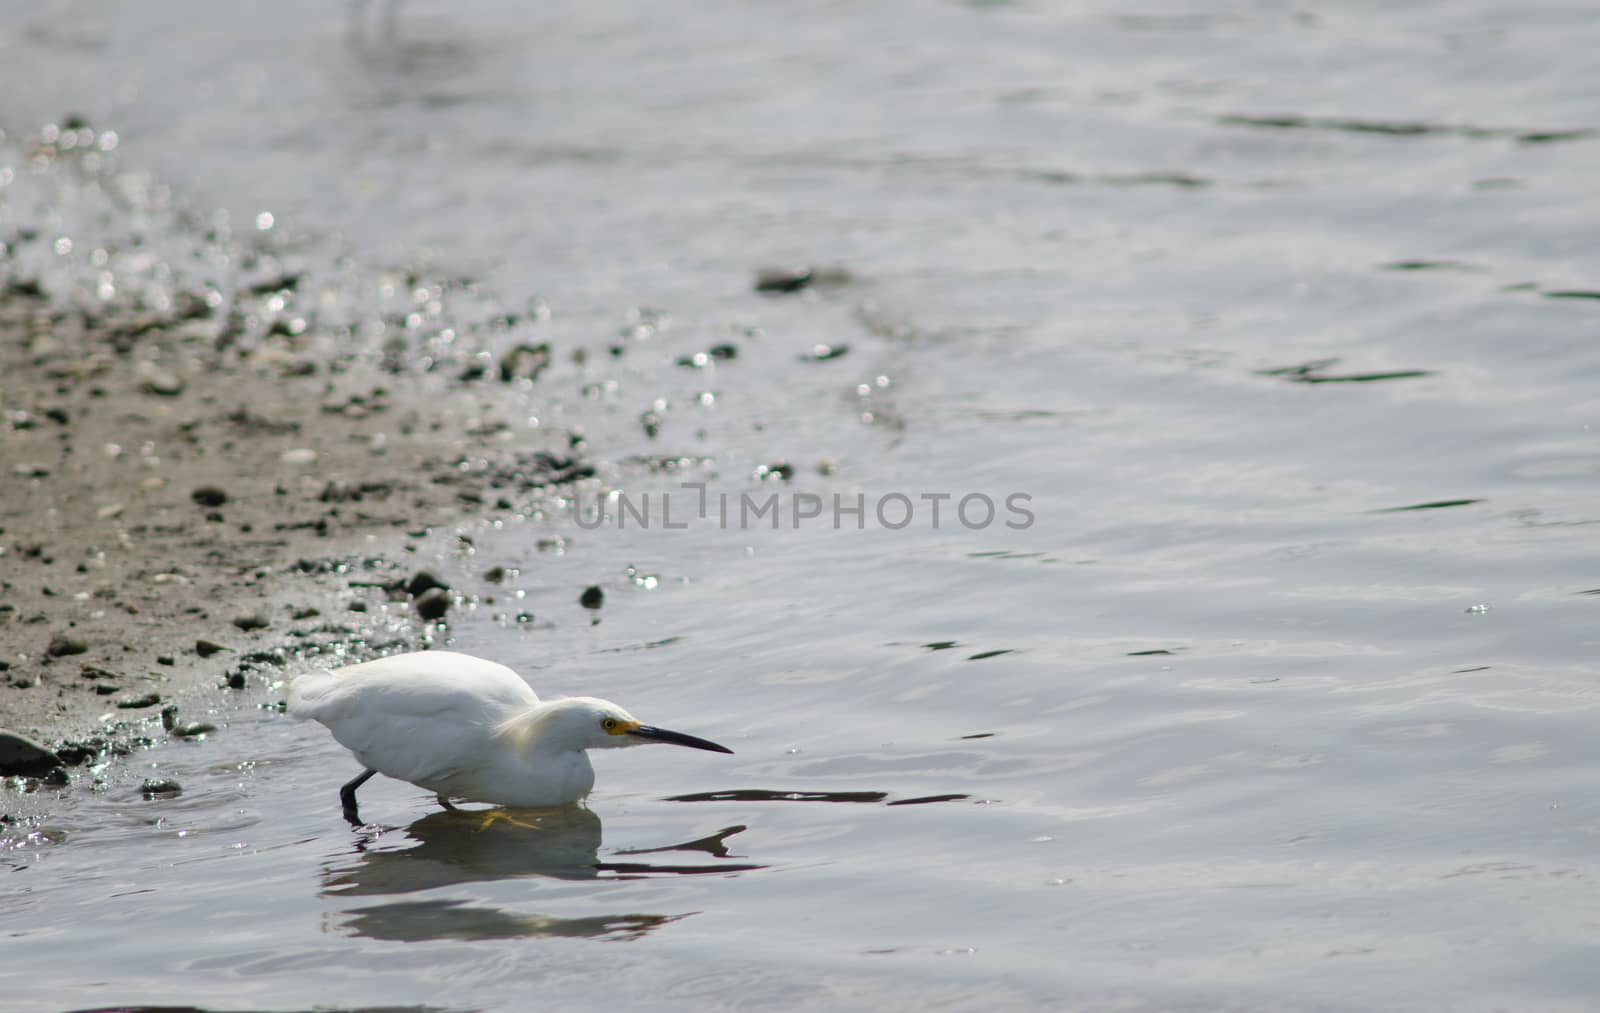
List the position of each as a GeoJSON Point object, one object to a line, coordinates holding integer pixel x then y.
{"type": "Point", "coordinates": [203, 483]}
{"type": "Point", "coordinates": [174, 520]}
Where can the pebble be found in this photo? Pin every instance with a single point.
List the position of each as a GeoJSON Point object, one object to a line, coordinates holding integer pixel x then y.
{"type": "Point", "coordinates": [183, 729]}
{"type": "Point", "coordinates": [209, 496]}
{"type": "Point", "coordinates": [495, 574]}
{"type": "Point", "coordinates": [160, 382]}
{"type": "Point", "coordinates": [134, 703]}
{"type": "Point", "coordinates": [432, 604]}
{"type": "Point", "coordinates": [254, 621]}
{"type": "Point", "coordinates": [206, 648]}
{"type": "Point", "coordinates": [422, 581]}
{"type": "Point", "coordinates": [524, 361]}
{"type": "Point", "coordinates": [592, 597]}
{"type": "Point", "coordinates": [21, 755]}
{"type": "Point", "coordinates": [164, 787]}
{"type": "Point", "coordinates": [61, 645]}
{"type": "Point", "coordinates": [784, 279]}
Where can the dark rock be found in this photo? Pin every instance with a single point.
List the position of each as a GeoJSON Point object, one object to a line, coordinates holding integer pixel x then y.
{"type": "Point", "coordinates": [57, 415]}
{"type": "Point", "coordinates": [432, 604]}
{"type": "Point", "coordinates": [236, 679]}
{"type": "Point", "coordinates": [822, 353]}
{"type": "Point", "coordinates": [209, 496]}
{"type": "Point", "coordinates": [306, 613]}
{"type": "Point", "coordinates": [139, 702]}
{"type": "Point", "coordinates": [495, 574]}
{"type": "Point", "coordinates": [56, 778]}
{"type": "Point", "coordinates": [422, 581]}
{"type": "Point", "coordinates": [357, 606]}
{"type": "Point", "coordinates": [724, 352]}
{"type": "Point", "coordinates": [75, 753]}
{"type": "Point", "coordinates": [592, 597]}
{"type": "Point", "coordinates": [160, 788]}
{"type": "Point", "coordinates": [254, 621]}
{"type": "Point", "coordinates": [183, 729]}
{"type": "Point", "coordinates": [206, 648]}
{"type": "Point", "coordinates": [524, 361]}
{"type": "Point", "coordinates": [21, 755]}
{"type": "Point", "coordinates": [783, 280]}
{"type": "Point", "coordinates": [166, 659]}
{"type": "Point", "coordinates": [61, 645]}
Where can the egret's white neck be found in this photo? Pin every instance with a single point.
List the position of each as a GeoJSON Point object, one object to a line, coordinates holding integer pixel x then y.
{"type": "Point", "coordinates": [541, 729]}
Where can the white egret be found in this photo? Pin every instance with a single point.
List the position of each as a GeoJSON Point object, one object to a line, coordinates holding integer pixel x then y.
{"type": "Point", "coordinates": [466, 728]}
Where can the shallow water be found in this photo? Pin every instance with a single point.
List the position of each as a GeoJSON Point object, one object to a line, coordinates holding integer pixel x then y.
{"type": "Point", "coordinates": [1284, 321]}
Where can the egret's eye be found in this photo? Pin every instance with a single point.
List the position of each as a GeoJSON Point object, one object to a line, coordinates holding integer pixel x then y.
{"type": "Point", "coordinates": [609, 724]}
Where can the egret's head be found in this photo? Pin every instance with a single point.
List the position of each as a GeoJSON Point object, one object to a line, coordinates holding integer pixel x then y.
{"type": "Point", "coordinates": [601, 724]}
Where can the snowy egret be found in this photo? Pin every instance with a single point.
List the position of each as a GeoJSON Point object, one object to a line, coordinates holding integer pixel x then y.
{"type": "Point", "coordinates": [467, 728]}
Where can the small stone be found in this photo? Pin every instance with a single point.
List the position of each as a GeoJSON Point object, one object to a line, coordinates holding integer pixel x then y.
{"type": "Point", "coordinates": [592, 597]}
{"type": "Point", "coordinates": [236, 679]}
{"type": "Point", "coordinates": [432, 604]}
{"type": "Point", "coordinates": [783, 280]}
{"type": "Point", "coordinates": [164, 787]}
{"type": "Point", "coordinates": [823, 353]}
{"type": "Point", "coordinates": [254, 621]}
{"type": "Point", "coordinates": [357, 606]}
{"type": "Point", "coordinates": [158, 381]}
{"type": "Point", "coordinates": [183, 729]}
{"type": "Point", "coordinates": [166, 659]}
{"type": "Point", "coordinates": [422, 581]}
{"type": "Point", "coordinates": [495, 574]}
{"type": "Point", "coordinates": [209, 496]}
{"type": "Point", "coordinates": [524, 362]}
{"type": "Point", "coordinates": [31, 470]}
{"type": "Point", "coordinates": [206, 648]}
{"type": "Point", "coordinates": [21, 755]}
{"type": "Point", "coordinates": [61, 645]}
{"type": "Point", "coordinates": [140, 702]}
{"type": "Point", "coordinates": [306, 613]}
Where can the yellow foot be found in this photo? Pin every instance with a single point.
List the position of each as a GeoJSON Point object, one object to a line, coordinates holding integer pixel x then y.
{"type": "Point", "coordinates": [493, 816]}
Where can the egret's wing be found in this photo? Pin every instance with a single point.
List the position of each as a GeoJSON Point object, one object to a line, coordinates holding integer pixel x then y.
{"type": "Point", "coordinates": [419, 717]}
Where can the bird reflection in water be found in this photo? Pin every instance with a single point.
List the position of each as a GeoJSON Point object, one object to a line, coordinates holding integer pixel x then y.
{"type": "Point", "coordinates": [454, 848]}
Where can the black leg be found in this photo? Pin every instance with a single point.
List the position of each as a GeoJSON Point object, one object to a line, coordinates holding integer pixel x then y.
{"type": "Point", "coordinates": [446, 803]}
{"type": "Point", "coordinates": [347, 795]}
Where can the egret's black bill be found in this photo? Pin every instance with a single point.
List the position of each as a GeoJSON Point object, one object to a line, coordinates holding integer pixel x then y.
{"type": "Point", "coordinates": [677, 739]}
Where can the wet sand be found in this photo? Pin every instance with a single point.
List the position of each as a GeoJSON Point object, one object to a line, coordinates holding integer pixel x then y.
{"type": "Point", "coordinates": [185, 513]}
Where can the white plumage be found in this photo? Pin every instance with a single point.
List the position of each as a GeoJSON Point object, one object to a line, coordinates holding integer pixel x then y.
{"type": "Point", "coordinates": [467, 728]}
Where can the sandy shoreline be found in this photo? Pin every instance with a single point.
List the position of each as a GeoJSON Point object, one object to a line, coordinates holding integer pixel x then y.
{"type": "Point", "coordinates": [167, 496]}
